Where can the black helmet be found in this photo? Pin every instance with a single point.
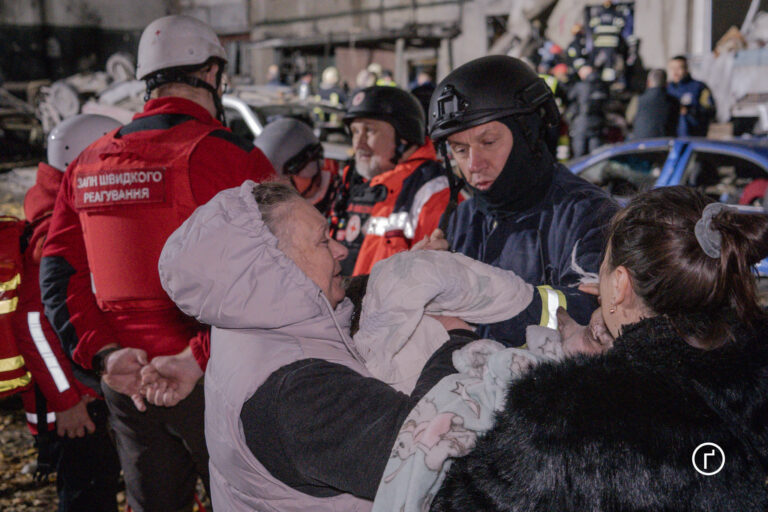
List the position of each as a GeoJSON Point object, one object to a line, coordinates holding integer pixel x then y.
{"type": "Point", "coordinates": [395, 106]}
{"type": "Point", "coordinates": [487, 89]}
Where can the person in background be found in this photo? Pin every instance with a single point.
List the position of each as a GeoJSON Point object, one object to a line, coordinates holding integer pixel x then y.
{"type": "Point", "coordinates": [386, 78]}
{"type": "Point", "coordinates": [422, 88]}
{"type": "Point", "coordinates": [394, 194]}
{"type": "Point", "coordinates": [528, 213]}
{"type": "Point", "coordinates": [657, 110]}
{"type": "Point", "coordinates": [624, 430]}
{"type": "Point", "coordinates": [365, 79]}
{"type": "Point", "coordinates": [304, 87]}
{"type": "Point", "coordinates": [64, 409]}
{"type": "Point", "coordinates": [577, 52]}
{"type": "Point", "coordinates": [586, 102]}
{"type": "Point", "coordinates": [273, 76]}
{"type": "Point", "coordinates": [697, 106]}
{"type": "Point", "coordinates": [608, 28]}
{"type": "Point", "coordinates": [297, 156]}
{"type": "Point", "coordinates": [329, 89]}
{"type": "Point", "coordinates": [118, 202]}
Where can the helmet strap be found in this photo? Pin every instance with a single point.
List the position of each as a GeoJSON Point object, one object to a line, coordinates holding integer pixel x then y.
{"type": "Point", "coordinates": [400, 148]}
{"type": "Point", "coordinates": [455, 184]}
{"type": "Point", "coordinates": [175, 76]}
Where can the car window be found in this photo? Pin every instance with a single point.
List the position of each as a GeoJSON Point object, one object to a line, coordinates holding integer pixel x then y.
{"type": "Point", "coordinates": [237, 124]}
{"type": "Point", "coordinates": [627, 173]}
{"type": "Point", "coordinates": [722, 177]}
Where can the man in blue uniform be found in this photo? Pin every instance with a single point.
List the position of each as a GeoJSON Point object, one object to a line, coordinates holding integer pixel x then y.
{"type": "Point", "coordinates": [528, 213]}
{"type": "Point", "coordinates": [697, 107]}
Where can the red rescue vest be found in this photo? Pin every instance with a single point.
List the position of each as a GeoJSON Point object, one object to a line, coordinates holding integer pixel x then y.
{"type": "Point", "coordinates": [131, 192]}
{"type": "Point", "coordinates": [14, 376]}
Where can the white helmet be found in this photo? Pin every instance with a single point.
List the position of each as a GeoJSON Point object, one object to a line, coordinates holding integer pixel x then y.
{"type": "Point", "coordinates": [174, 41]}
{"type": "Point", "coordinates": [70, 137]}
{"type": "Point", "coordinates": [330, 76]}
{"type": "Point", "coordinates": [290, 145]}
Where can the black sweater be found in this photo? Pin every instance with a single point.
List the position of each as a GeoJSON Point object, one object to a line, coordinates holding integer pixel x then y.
{"type": "Point", "coordinates": [324, 429]}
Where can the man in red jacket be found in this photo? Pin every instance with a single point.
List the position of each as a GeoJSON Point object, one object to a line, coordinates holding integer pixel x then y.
{"type": "Point", "coordinates": [64, 413]}
{"type": "Point", "coordinates": [396, 192]}
{"type": "Point", "coordinates": [119, 201]}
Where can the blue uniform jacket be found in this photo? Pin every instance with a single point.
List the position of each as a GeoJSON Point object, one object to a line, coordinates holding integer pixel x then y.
{"type": "Point", "coordinates": [698, 99]}
{"type": "Point", "coordinates": [541, 245]}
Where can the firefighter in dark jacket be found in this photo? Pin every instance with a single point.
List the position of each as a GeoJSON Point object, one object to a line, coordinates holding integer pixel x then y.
{"type": "Point", "coordinates": [587, 99]}
{"type": "Point", "coordinates": [657, 110]}
{"type": "Point", "coordinates": [528, 213]}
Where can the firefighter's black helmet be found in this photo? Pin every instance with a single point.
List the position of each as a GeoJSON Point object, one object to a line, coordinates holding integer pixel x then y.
{"type": "Point", "coordinates": [395, 106]}
{"type": "Point", "coordinates": [488, 89]}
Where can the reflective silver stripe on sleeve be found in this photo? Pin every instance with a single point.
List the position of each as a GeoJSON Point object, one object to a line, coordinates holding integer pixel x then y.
{"type": "Point", "coordinates": [49, 358]}
{"type": "Point", "coordinates": [424, 194]}
{"type": "Point", "coordinates": [406, 221]}
{"type": "Point", "coordinates": [50, 418]}
{"type": "Point", "coordinates": [379, 226]}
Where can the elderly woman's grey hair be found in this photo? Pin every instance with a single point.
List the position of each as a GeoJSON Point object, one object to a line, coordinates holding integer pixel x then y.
{"type": "Point", "coordinates": [271, 197]}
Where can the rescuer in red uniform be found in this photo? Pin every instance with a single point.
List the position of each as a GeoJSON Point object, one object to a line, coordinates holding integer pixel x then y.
{"type": "Point", "coordinates": [396, 191]}
{"type": "Point", "coordinates": [66, 416]}
{"type": "Point", "coordinates": [119, 201]}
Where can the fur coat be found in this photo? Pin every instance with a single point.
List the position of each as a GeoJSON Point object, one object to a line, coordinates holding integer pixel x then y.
{"type": "Point", "coordinates": [617, 431]}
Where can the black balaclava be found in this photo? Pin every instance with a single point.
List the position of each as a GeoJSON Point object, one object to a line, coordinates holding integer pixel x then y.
{"type": "Point", "coordinates": [527, 172]}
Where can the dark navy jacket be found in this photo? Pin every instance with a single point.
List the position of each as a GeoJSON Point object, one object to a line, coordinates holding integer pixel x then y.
{"type": "Point", "coordinates": [657, 114]}
{"type": "Point", "coordinates": [541, 245]}
{"type": "Point", "coordinates": [697, 97]}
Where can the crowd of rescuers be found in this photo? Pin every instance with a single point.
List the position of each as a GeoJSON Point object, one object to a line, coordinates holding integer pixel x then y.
{"type": "Point", "coordinates": [289, 415]}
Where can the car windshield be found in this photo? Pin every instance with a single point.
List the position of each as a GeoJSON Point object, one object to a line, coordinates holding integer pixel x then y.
{"type": "Point", "coordinates": [627, 173]}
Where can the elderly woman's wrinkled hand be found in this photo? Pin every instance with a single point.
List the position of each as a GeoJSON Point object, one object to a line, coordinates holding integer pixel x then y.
{"type": "Point", "coordinates": [167, 380]}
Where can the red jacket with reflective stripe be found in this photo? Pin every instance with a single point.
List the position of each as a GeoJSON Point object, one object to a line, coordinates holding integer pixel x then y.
{"type": "Point", "coordinates": [43, 355]}
{"type": "Point", "coordinates": [416, 197]}
{"type": "Point", "coordinates": [119, 201]}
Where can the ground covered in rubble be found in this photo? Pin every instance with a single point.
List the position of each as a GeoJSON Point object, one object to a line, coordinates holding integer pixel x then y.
{"type": "Point", "coordinates": [19, 492]}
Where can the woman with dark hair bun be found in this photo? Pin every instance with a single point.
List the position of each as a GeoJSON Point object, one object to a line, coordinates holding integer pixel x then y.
{"type": "Point", "coordinates": [619, 431]}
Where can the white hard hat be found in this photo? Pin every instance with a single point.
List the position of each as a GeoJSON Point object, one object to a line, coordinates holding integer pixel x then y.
{"type": "Point", "coordinates": [375, 68]}
{"type": "Point", "coordinates": [70, 137]}
{"type": "Point", "coordinates": [290, 145]}
{"type": "Point", "coordinates": [330, 76]}
{"type": "Point", "coordinates": [174, 41]}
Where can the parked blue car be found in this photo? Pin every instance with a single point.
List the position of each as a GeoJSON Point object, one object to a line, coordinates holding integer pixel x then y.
{"type": "Point", "coordinates": [727, 171]}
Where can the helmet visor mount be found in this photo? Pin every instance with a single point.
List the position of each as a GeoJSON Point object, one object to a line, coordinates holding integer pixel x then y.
{"type": "Point", "coordinates": [454, 112]}
{"type": "Point", "coordinates": [309, 153]}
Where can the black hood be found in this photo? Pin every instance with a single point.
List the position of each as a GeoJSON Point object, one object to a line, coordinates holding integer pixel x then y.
{"type": "Point", "coordinates": [526, 175]}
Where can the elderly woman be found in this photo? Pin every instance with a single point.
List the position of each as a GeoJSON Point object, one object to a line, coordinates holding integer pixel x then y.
{"type": "Point", "coordinates": [293, 420]}
{"type": "Point", "coordinates": [619, 431]}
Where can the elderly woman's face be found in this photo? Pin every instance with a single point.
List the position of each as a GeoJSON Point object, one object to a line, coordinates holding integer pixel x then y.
{"type": "Point", "coordinates": [309, 246]}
